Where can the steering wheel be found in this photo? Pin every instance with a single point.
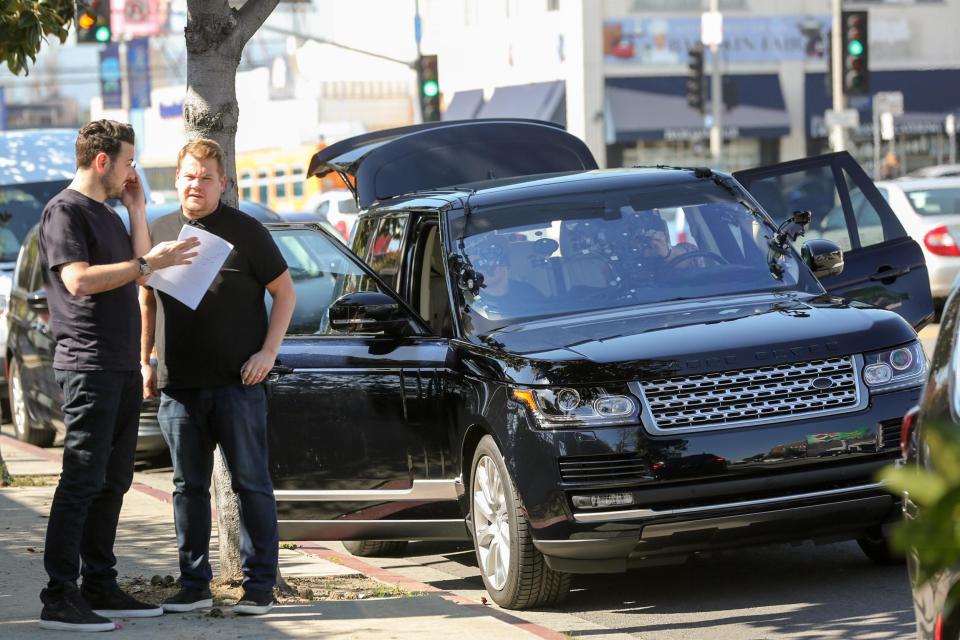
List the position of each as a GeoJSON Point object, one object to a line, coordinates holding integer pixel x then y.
{"type": "Point", "coordinates": [673, 262]}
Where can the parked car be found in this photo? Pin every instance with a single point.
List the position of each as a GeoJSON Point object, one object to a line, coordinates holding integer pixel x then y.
{"type": "Point", "coordinates": [936, 601]}
{"type": "Point", "coordinates": [929, 210]}
{"type": "Point", "coordinates": [614, 410]}
{"type": "Point", "coordinates": [338, 207]}
{"type": "Point", "coordinates": [252, 209]}
{"type": "Point", "coordinates": [313, 218]}
{"type": "Point", "coordinates": [936, 171]}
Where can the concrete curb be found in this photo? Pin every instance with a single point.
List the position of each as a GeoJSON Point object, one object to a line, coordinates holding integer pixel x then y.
{"type": "Point", "coordinates": [371, 571]}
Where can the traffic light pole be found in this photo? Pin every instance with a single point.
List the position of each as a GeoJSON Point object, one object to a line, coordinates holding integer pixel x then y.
{"type": "Point", "coordinates": [716, 99]}
{"type": "Point", "coordinates": [838, 140]}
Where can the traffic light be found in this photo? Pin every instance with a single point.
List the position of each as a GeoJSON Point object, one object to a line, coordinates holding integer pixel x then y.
{"type": "Point", "coordinates": [429, 84]}
{"type": "Point", "coordinates": [93, 22]}
{"type": "Point", "coordinates": [855, 52]}
{"type": "Point", "coordinates": [695, 95]}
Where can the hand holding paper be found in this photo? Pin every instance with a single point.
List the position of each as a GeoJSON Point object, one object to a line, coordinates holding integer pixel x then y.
{"type": "Point", "coordinates": [189, 282]}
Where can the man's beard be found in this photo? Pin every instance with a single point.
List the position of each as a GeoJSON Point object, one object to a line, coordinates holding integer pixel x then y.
{"type": "Point", "coordinates": [112, 189]}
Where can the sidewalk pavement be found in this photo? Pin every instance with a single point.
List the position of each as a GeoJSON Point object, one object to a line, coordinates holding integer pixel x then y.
{"type": "Point", "coordinates": [146, 545]}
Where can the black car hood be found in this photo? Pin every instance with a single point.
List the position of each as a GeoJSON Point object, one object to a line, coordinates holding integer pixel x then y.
{"type": "Point", "coordinates": [690, 337]}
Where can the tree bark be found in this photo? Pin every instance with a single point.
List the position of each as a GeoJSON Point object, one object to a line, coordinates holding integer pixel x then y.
{"type": "Point", "coordinates": [215, 36]}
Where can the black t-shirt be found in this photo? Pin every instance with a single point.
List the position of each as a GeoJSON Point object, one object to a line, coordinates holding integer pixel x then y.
{"type": "Point", "coordinates": [206, 347]}
{"type": "Point", "coordinates": [100, 331]}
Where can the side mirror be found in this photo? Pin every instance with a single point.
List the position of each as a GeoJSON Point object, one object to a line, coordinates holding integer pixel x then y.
{"type": "Point", "coordinates": [824, 257]}
{"type": "Point", "coordinates": [368, 312]}
{"type": "Point", "coordinates": [37, 301]}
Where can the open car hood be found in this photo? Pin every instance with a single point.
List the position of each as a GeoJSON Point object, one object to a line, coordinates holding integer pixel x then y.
{"type": "Point", "coordinates": [392, 162]}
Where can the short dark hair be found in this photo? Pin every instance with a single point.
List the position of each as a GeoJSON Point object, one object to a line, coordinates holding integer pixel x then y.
{"type": "Point", "coordinates": [101, 136]}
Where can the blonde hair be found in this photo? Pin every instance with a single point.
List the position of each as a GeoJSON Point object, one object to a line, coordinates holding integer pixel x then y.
{"type": "Point", "coordinates": [202, 149]}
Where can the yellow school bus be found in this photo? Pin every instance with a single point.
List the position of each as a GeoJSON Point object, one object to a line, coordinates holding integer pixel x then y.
{"type": "Point", "coordinates": [275, 178]}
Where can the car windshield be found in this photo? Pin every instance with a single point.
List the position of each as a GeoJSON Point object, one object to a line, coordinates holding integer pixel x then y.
{"type": "Point", "coordinates": [20, 209]}
{"type": "Point", "coordinates": [935, 202]}
{"type": "Point", "coordinates": [607, 249]}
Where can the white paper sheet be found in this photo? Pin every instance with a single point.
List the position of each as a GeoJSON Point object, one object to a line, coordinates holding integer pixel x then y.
{"type": "Point", "coordinates": [189, 282]}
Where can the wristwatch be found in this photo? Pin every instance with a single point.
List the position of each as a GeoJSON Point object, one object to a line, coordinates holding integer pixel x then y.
{"type": "Point", "coordinates": [145, 268]}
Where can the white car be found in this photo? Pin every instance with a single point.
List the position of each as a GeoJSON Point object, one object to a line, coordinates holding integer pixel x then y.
{"type": "Point", "coordinates": [338, 207]}
{"type": "Point", "coordinates": [929, 209]}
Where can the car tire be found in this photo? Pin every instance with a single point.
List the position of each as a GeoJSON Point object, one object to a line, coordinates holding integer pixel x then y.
{"type": "Point", "coordinates": [375, 548]}
{"type": "Point", "coordinates": [878, 548]}
{"type": "Point", "coordinates": [20, 416]}
{"type": "Point", "coordinates": [514, 572]}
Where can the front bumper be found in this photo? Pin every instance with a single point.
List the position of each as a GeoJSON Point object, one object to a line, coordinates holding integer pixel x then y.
{"type": "Point", "coordinates": [741, 487]}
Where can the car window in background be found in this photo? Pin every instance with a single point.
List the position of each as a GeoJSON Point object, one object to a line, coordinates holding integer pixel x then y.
{"type": "Point", "coordinates": [384, 254]}
{"type": "Point", "coordinates": [23, 277]}
{"type": "Point", "coordinates": [320, 274]}
{"type": "Point", "coordinates": [870, 228]}
{"type": "Point", "coordinates": [347, 205]}
{"type": "Point", "coordinates": [935, 202]}
{"type": "Point", "coordinates": [20, 209]}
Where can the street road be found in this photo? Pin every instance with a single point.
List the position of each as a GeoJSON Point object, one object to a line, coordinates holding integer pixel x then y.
{"type": "Point", "coordinates": [780, 591]}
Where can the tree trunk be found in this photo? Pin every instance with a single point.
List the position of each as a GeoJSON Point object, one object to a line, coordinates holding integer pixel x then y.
{"type": "Point", "coordinates": [215, 35]}
{"type": "Point", "coordinates": [5, 478]}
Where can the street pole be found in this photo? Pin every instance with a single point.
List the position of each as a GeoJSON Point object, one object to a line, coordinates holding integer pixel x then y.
{"type": "Point", "coordinates": [951, 125]}
{"type": "Point", "coordinates": [716, 99]}
{"type": "Point", "coordinates": [876, 139]}
{"type": "Point", "coordinates": [837, 133]}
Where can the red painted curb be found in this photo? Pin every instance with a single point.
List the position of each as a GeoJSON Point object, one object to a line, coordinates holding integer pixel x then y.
{"type": "Point", "coordinates": [371, 571]}
{"type": "Point", "coordinates": [395, 579]}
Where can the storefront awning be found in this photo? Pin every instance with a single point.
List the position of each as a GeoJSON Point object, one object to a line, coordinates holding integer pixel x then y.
{"type": "Point", "coordinates": [464, 105]}
{"type": "Point", "coordinates": [655, 108]}
{"type": "Point", "coordinates": [538, 101]}
{"type": "Point", "coordinates": [928, 96]}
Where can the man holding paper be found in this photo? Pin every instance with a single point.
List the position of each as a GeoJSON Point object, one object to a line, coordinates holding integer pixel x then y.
{"type": "Point", "coordinates": [215, 346]}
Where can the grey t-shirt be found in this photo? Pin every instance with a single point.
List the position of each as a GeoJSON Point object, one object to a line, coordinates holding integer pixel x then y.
{"type": "Point", "coordinates": [99, 331]}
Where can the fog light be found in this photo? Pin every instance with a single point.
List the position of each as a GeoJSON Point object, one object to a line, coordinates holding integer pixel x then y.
{"type": "Point", "coordinates": [603, 500]}
{"type": "Point", "coordinates": [613, 406]}
{"type": "Point", "coordinates": [568, 400]}
{"type": "Point", "coordinates": [877, 373]}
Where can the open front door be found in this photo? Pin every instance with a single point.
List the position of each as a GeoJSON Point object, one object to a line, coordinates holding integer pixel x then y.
{"type": "Point", "coordinates": [883, 265]}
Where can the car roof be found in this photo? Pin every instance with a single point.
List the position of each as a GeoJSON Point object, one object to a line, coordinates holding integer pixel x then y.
{"type": "Point", "coordinates": [491, 192]}
{"type": "Point", "coordinates": [912, 184]}
{"type": "Point", "coordinates": [37, 155]}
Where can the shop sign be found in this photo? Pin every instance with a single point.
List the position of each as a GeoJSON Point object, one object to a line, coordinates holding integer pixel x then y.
{"type": "Point", "coordinates": [665, 41]}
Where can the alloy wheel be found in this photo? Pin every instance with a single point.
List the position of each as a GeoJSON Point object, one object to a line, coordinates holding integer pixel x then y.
{"type": "Point", "coordinates": [491, 523]}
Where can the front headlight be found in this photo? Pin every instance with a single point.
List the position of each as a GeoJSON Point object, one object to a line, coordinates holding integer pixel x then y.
{"type": "Point", "coordinates": [894, 368]}
{"type": "Point", "coordinates": [579, 407]}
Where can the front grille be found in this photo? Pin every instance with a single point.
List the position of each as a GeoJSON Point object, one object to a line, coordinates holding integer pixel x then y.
{"type": "Point", "coordinates": [747, 395]}
{"type": "Point", "coordinates": [602, 468]}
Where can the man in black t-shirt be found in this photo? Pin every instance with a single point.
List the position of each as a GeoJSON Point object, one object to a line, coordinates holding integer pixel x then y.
{"type": "Point", "coordinates": [90, 265]}
{"type": "Point", "coordinates": [211, 362]}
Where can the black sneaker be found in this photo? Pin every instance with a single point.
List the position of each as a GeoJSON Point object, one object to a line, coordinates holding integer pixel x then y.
{"type": "Point", "coordinates": [254, 603]}
{"type": "Point", "coordinates": [188, 599]}
{"type": "Point", "coordinates": [68, 611]}
{"type": "Point", "coordinates": [113, 602]}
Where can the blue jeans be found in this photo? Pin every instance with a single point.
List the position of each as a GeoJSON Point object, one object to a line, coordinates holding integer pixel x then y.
{"type": "Point", "coordinates": [193, 422]}
{"type": "Point", "coordinates": [101, 413]}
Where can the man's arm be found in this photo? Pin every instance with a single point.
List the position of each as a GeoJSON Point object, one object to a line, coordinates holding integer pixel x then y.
{"type": "Point", "coordinates": [148, 327]}
{"type": "Point", "coordinates": [134, 200]}
{"type": "Point", "coordinates": [256, 368]}
{"type": "Point", "coordinates": [82, 279]}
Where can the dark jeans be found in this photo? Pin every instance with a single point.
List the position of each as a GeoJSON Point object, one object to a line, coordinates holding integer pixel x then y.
{"type": "Point", "coordinates": [194, 421]}
{"type": "Point", "coordinates": [101, 412]}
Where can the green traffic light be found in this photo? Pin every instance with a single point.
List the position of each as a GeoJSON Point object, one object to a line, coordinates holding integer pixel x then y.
{"type": "Point", "coordinates": [102, 34]}
{"type": "Point", "coordinates": [855, 47]}
{"type": "Point", "coordinates": [431, 88]}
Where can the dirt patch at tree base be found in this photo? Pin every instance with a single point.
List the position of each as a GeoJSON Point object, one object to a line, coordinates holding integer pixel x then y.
{"type": "Point", "coordinates": [302, 590]}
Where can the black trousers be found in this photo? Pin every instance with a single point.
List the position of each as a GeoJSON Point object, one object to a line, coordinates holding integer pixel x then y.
{"type": "Point", "coordinates": [101, 412]}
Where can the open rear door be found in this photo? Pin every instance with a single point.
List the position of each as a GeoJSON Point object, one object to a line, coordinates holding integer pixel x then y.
{"type": "Point", "coordinates": [883, 265]}
{"type": "Point", "coordinates": [388, 163]}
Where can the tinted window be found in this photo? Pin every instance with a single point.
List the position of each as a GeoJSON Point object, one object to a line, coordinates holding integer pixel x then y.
{"type": "Point", "coordinates": [601, 250]}
{"type": "Point", "coordinates": [935, 202]}
{"type": "Point", "coordinates": [385, 250]}
{"type": "Point", "coordinates": [321, 274]}
{"type": "Point", "coordinates": [365, 228]}
{"type": "Point", "coordinates": [20, 208]}
{"type": "Point", "coordinates": [27, 265]}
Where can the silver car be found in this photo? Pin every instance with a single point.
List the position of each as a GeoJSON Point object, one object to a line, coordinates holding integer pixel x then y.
{"type": "Point", "coordinates": [929, 209]}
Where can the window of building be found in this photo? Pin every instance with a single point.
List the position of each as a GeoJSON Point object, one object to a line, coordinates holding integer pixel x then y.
{"type": "Point", "coordinates": [246, 185]}
{"type": "Point", "coordinates": [280, 185]}
{"type": "Point", "coordinates": [263, 189]}
{"type": "Point", "coordinates": [553, 5]}
{"type": "Point", "coordinates": [297, 174]}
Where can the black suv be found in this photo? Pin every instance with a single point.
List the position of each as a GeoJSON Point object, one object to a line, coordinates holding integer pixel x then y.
{"type": "Point", "coordinates": [586, 371]}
